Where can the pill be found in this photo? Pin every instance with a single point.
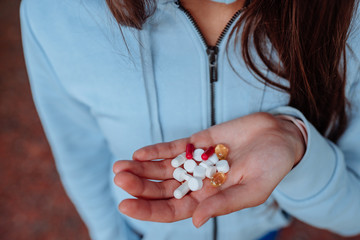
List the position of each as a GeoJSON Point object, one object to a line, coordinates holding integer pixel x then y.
{"type": "Point", "coordinates": [210, 172]}
{"type": "Point", "coordinates": [197, 154]}
{"type": "Point", "coordinates": [195, 184]}
{"type": "Point", "coordinates": [199, 172]}
{"type": "Point", "coordinates": [222, 166]}
{"type": "Point", "coordinates": [189, 165]}
{"type": "Point", "coordinates": [206, 164]}
{"type": "Point", "coordinates": [180, 175]}
{"type": "Point", "coordinates": [218, 179]}
{"type": "Point", "coordinates": [213, 159]}
{"type": "Point", "coordinates": [182, 190]}
{"type": "Point", "coordinates": [210, 168]}
{"type": "Point", "coordinates": [210, 151]}
{"type": "Point", "coordinates": [189, 150]}
{"type": "Point", "coordinates": [178, 161]}
{"type": "Point", "coordinates": [221, 151]}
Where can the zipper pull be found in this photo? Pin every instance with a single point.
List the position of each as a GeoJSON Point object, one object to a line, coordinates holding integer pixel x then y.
{"type": "Point", "coordinates": [212, 52]}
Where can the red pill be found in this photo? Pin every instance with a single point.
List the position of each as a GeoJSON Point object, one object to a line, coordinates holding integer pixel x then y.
{"type": "Point", "coordinates": [210, 151]}
{"type": "Point", "coordinates": [189, 150]}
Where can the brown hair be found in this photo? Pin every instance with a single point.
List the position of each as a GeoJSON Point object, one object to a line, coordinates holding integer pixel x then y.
{"type": "Point", "coordinates": [309, 37]}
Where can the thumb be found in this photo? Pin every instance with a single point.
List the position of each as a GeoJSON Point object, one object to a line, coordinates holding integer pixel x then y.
{"type": "Point", "coordinates": [232, 199]}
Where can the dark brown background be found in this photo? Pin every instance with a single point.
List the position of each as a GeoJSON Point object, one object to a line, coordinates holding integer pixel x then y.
{"type": "Point", "coordinates": [33, 204]}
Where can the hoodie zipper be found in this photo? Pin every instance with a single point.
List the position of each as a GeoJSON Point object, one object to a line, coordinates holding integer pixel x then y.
{"type": "Point", "coordinates": [212, 52]}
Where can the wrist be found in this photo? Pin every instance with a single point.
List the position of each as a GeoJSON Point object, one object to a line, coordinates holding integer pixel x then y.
{"type": "Point", "coordinates": [298, 135]}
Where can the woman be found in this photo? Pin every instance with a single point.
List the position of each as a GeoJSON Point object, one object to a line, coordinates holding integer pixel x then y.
{"type": "Point", "coordinates": [270, 75]}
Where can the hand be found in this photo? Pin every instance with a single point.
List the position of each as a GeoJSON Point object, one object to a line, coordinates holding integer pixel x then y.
{"type": "Point", "coordinates": [263, 149]}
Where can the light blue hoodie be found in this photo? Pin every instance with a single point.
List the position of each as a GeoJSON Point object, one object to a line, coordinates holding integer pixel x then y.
{"type": "Point", "coordinates": [99, 102]}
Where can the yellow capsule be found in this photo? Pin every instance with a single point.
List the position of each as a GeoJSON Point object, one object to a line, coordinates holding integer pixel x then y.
{"type": "Point", "coordinates": [221, 151]}
{"type": "Point", "coordinates": [218, 179]}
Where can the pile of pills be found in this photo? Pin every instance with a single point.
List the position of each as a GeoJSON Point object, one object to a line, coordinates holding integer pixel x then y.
{"type": "Point", "coordinates": [198, 164]}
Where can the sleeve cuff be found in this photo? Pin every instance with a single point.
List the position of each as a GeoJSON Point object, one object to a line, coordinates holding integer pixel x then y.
{"type": "Point", "coordinates": [298, 123]}
{"type": "Point", "coordinates": [315, 169]}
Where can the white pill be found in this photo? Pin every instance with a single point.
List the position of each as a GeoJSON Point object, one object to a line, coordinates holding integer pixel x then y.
{"type": "Point", "coordinates": [195, 184]}
{"type": "Point", "coordinates": [197, 154]}
{"type": "Point", "coordinates": [210, 172]}
{"type": "Point", "coordinates": [222, 166]}
{"type": "Point", "coordinates": [180, 175]}
{"type": "Point", "coordinates": [210, 169]}
{"type": "Point", "coordinates": [206, 164]}
{"type": "Point", "coordinates": [199, 172]}
{"type": "Point", "coordinates": [189, 165]}
{"type": "Point", "coordinates": [179, 160]}
{"type": "Point", "coordinates": [213, 159]}
{"type": "Point", "coordinates": [182, 190]}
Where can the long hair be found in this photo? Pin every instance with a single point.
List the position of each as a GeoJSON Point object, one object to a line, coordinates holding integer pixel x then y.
{"type": "Point", "coordinates": [309, 37]}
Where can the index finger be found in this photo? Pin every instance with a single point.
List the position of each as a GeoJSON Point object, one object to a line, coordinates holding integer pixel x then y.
{"type": "Point", "coordinates": [161, 150]}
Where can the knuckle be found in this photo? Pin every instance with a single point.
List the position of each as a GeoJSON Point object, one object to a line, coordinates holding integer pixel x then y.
{"type": "Point", "coordinates": [156, 150]}
{"type": "Point", "coordinates": [194, 137]}
{"type": "Point", "coordinates": [172, 148]}
{"type": "Point", "coordinates": [202, 138]}
{"type": "Point", "coordinates": [266, 122]}
{"type": "Point", "coordinates": [266, 119]}
{"type": "Point", "coordinates": [141, 190]}
{"type": "Point", "coordinates": [162, 166]}
{"type": "Point", "coordinates": [162, 192]}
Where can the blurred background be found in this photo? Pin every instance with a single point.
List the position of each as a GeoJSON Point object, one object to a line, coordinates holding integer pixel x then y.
{"type": "Point", "coordinates": [33, 203]}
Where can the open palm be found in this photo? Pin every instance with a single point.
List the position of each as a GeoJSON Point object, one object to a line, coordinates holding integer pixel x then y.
{"type": "Point", "coordinates": [263, 149]}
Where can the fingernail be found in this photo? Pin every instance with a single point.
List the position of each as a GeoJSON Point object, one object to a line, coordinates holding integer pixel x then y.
{"type": "Point", "coordinates": [202, 222]}
{"type": "Point", "coordinates": [134, 156]}
{"type": "Point", "coordinates": [116, 169]}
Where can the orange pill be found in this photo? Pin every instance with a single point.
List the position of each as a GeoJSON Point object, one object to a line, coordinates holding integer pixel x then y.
{"type": "Point", "coordinates": [221, 151]}
{"type": "Point", "coordinates": [218, 179]}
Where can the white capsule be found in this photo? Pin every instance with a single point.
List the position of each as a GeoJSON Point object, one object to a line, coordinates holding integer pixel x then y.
{"type": "Point", "coordinates": [222, 166]}
{"type": "Point", "coordinates": [179, 160]}
{"type": "Point", "coordinates": [197, 154]}
{"type": "Point", "coordinates": [189, 165]}
{"type": "Point", "coordinates": [180, 175]}
{"type": "Point", "coordinates": [182, 190]}
{"type": "Point", "coordinates": [199, 172]}
{"type": "Point", "coordinates": [213, 159]}
{"type": "Point", "coordinates": [195, 184]}
{"type": "Point", "coordinates": [210, 172]}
